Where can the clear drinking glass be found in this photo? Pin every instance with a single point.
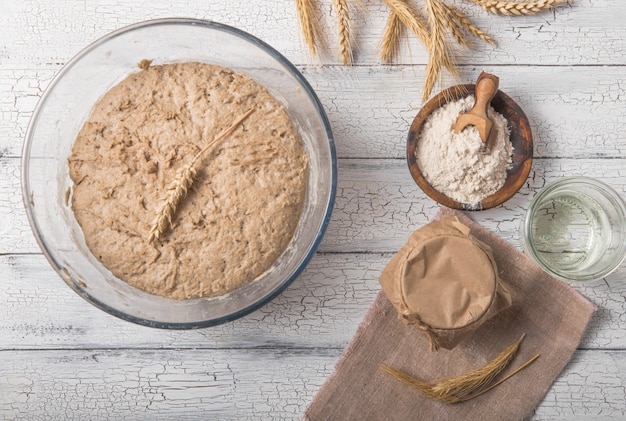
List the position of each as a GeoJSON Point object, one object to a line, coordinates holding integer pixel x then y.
{"type": "Point", "coordinates": [67, 103]}
{"type": "Point", "coordinates": [575, 229]}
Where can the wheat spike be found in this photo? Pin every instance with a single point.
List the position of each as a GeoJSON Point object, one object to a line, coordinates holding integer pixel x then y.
{"type": "Point", "coordinates": [467, 386]}
{"type": "Point", "coordinates": [308, 23]}
{"type": "Point", "coordinates": [390, 43]}
{"type": "Point", "coordinates": [343, 23]}
{"type": "Point", "coordinates": [177, 189]}
{"type": "Point", "coordinates": [439, 52]}
{"type": "Point", "coordinates": [498, 7]}
{"type": "Point", "coordinates": [458, 21]}
{"type": "Point", "coordinates": [456, 29]}
{"type": "Point", "coordinates": [410, 19]}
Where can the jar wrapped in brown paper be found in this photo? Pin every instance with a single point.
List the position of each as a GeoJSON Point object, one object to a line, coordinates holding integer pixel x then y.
{"type": "Point", "coordinates": [444, 282]}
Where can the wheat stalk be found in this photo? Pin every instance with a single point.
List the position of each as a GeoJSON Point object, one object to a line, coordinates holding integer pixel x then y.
{"type": "Point", "coordinates": [458, 21]}
{"type": "Point", "coordinates": [308, 23]}
{"type": "Point", "coordinates": [456, 29]}
{"type": "Point", "coordinates": [177, 189]}
{"type": "Point", "coordinates": [498, 7]}
{"type": "Point", "coordinates": [432, 33]}
{"type": "Point", "coordinates": [466, 386]}
{"type": "Point", "coordinates": [410, 19]}
{"type": "Point", "coordinates": [438, 50]}
{"type": "Point", "coordinates": [343, 22]}
{"type": "Point", "coordinates": [390, 43]}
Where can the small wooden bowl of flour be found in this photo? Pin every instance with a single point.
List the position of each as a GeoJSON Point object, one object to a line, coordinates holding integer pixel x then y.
{"type": "Point", "coordinates": [516, 164]}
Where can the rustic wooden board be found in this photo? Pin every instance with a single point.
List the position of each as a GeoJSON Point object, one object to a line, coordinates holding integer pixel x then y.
{"type": "Point", "coordinates": [378, 203]}
{"type": "Point", "coordinates": [61, 358]}
{"type": "Point", "coordinates": [238, 384]}
{"type": "Point", "coordinates": [322, 308]}
{"type": "Point", "coordinates": [574, 111]}
{"type": "Point", "coordinates": [584, 32]}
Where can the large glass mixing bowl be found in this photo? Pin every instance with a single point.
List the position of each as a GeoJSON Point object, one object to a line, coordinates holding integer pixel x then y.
{"type": "Point", "coordinates": [67, 103]}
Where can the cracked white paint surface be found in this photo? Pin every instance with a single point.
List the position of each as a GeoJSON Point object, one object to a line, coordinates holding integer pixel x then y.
{"type": "Point", "coordinates": [61, 358]}
{"type": "Point", "coordinates": [573, 111]}
{"type": "Point", "coordinates": [322, 308]}
{"type": "Point", "coordinates": [217, 384]}
{"type": "Point", "coordinates": [378, 204]}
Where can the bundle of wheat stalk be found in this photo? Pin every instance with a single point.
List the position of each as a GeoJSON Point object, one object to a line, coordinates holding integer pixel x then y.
{"type": "Point", "coordinates": [432, 31]}
{"type": "Point", "coordinates": [469, 385]}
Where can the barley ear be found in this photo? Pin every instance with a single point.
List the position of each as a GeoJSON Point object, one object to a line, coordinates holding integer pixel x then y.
{"type": "Point", "coordinates": [466, 386]}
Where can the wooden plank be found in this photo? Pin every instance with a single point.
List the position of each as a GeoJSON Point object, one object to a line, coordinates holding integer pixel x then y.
{"type": "Point", "coordinates": [573, 111]}
{"type": "Point", "coordinates": [20, 90]}
{"type": "Point", "coordinates": [378, 203]}
{"type": "Point", "coordinates": [238, 384]}
{"type": "Point", "coordinates": [61, 358]}
{"type": "Point", "coordinates": [591, 387]}
{"type": "Point", "coordinates": [15, 233]}
{"type": "Point", "coordinates": [592, 33]}
{"type": "Point", "coordinates": [321, 309]}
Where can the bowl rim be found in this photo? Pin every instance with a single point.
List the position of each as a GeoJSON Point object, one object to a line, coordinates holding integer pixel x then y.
{"type": "Point", "coordinates": [607, 191]}
{"type": "Point", "coordinates": [522, 154]}
{"type": "Point", "coordinates": [312, 247]}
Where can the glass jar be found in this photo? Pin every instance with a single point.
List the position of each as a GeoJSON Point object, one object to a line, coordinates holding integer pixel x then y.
{"type": "Point", "coordinates": [575, 229]}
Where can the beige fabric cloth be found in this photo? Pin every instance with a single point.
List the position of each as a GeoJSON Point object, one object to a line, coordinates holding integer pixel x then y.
{"type": "Point", "coordinates": [552, 314]}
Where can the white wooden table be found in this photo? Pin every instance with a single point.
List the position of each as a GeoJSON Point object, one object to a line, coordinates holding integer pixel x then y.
{"type": "Point", "coordinates": [61, 358]}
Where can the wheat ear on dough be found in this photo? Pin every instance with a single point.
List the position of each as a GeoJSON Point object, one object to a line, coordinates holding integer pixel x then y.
{"type": "Point", "coordinates": [178, 188]}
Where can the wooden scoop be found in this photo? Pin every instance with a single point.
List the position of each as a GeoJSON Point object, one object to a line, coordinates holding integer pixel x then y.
{"type": "Point", "coordinates": [486, 88]}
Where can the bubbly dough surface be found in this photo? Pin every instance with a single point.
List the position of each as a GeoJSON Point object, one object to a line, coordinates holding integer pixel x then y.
{"type": "Point", "coordinates": [243, 207]}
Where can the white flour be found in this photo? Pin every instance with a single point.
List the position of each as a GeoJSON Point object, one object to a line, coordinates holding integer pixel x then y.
{"type": "Point", "coordinates": [454, 164]}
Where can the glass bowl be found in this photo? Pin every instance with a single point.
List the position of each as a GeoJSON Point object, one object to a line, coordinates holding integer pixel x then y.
{"type": "Point", "coordinates": [67, 103]}
{"type": "Point", "coordinates": [575, 229]}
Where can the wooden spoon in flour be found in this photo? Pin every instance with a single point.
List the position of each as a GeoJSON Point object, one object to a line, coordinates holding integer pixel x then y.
{"type": "Point", "coordinates": [486, 88]}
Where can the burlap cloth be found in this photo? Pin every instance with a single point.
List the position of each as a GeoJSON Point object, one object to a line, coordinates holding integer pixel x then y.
{"type": "Point", "coordinates": [552, 314]}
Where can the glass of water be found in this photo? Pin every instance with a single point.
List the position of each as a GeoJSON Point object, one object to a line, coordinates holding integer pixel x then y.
{"type": "Point", "coordinates": [575, 229]}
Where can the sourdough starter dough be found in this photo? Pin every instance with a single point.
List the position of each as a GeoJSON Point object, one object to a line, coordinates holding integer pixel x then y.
{"type": "Point", "coordinates": [241, 211]}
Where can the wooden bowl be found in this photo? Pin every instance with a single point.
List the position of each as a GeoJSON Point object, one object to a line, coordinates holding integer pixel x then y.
{"type": "Point", "coordinates": [521, 138]}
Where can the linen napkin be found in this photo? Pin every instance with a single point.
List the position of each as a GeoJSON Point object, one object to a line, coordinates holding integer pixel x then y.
{"type": "Point", "coordinates": [551, 314]}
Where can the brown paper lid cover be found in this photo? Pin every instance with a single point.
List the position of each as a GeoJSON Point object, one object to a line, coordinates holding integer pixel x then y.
{"type": "Point", "coordinates": [445, 282]}
{"type": "Point", "coordinates": [448, 281]}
